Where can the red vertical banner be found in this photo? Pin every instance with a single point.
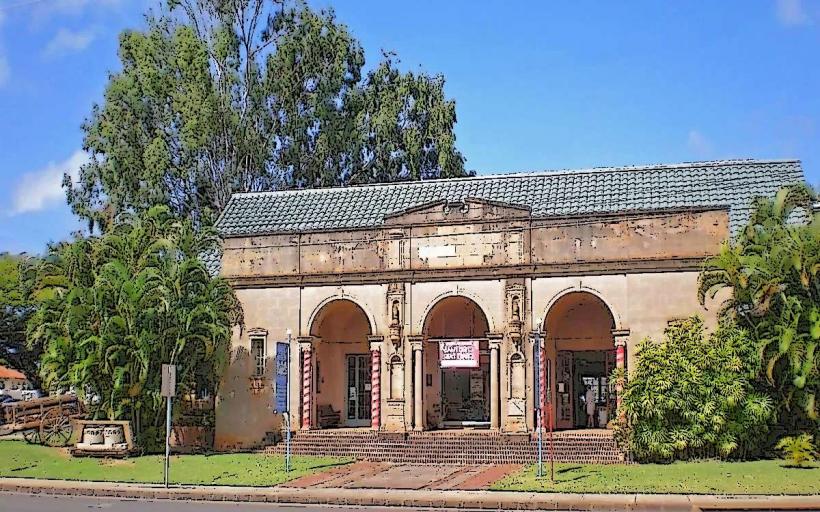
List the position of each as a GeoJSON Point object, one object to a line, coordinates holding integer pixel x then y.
{"type": "Point", "coordinates": [307, 387]}
{"type": "Point", "coordinates": [620, 362]}
{"type": "Point", "coordinates": [542, 379]}
{"type": "Point", "coordinates": [375, 388]}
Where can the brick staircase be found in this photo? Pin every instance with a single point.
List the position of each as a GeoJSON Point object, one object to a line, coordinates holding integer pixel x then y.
{"type": "Point", "coordinates": [453, 446]}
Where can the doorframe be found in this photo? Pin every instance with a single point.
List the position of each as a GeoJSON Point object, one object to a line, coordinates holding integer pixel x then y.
{"type": "Point", "coordinates": [360, 422]}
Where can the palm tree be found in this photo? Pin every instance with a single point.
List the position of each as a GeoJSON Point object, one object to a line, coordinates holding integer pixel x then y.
{"type": "Point", "coordinates": [116, 307]}
{"type": "Point", "coordinates": [772, 268]}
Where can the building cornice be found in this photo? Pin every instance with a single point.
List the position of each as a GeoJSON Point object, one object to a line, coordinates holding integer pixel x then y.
{"type": "Point", "coordinates": [609, 267]}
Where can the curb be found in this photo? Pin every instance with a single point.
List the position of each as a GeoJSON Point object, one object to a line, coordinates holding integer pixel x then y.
{"type": "Point", "coordinates": [483, 500]}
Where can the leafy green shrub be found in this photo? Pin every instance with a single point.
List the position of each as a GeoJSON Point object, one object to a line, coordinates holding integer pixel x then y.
{"type": "Point", "coordinates": [797, 450]}
{"type": "Point", "coordinates": [692, 395]}
{"type": "Point", "coordinates": [773, 270]}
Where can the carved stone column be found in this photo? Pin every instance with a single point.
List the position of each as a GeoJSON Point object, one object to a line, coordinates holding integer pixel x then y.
{"type": "Point", "coordinates": [416, 344]}
{"type": "Point", "coordinates": [495, 387]}
{"type": "Point", "coordinates": [375, 381]}
{"type": "Point", "coordinates": [621, 337]}
{"type": "Point", "coordinates": [306, 348]}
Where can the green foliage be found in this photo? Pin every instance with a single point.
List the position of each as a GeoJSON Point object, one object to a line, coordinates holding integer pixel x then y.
{"type": "Point", "coordinates": [693, 395]}
{"type": "Point", "coordinates": [16, 307]}
{"type": "Point", "coordinates": [797, 450]}
{"type": "Point", "coordinates": [772, 268]}
{"type": "Point", "coordinates": [116, 307]}
{"type": "Point", "coordinates": [220, 97]}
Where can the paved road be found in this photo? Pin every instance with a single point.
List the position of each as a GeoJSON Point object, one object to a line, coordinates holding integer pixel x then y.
{"type": "Point", "coordinates": [11, 502]}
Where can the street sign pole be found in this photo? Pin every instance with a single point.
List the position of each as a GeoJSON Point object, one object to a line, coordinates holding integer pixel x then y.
{"type": "Point", "coordinates": [168, 390]}
{"type": "Point", "coordinates": [287, 417]}
{"type": "Point", "coordinates": [167, 437]}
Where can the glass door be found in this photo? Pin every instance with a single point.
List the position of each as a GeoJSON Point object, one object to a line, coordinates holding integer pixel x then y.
{"type": "Point", "coordinates": [358, 390]}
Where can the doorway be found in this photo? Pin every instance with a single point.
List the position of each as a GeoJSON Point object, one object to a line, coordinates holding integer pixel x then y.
{"type": "Point", "coordinates": [464, 396]}
{"type": "Point", "coordinates": [358, 390]}
{"type": "Point", "coordinates": [579, 340]}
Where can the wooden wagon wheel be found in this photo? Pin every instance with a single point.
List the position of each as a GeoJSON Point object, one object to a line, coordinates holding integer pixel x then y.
{"type": "Point", "coordinates": [56, 427]}
{"type": "Point", "coordinates": [32, 436]}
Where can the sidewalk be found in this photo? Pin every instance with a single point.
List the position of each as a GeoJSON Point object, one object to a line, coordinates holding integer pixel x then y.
{"type": "Point", "coordinates": [487, 500]}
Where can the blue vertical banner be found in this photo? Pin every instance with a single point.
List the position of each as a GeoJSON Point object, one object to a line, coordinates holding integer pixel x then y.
{"type": "Point", "coordinates": [282, 370]}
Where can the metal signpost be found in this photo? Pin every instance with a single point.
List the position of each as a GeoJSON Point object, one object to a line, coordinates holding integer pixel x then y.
{"type": "Point", "coordinates": [542, 366]}
{"type": "Point", "coordinates": [168, 390]}
{"type": "Point", "coordinates": [281, 406]}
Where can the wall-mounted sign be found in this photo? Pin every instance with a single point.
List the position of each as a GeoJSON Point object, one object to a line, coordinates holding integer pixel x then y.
{"type": "Point", "coordinates": [282, 361]}
{"type": "Point", "coordinates": [458, 353]}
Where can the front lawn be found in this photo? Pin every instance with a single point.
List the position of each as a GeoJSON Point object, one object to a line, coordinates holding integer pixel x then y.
{"type": "Point", "coordinates": [18, 459]}
{"type": "Point", "coordinates": [705, 477]}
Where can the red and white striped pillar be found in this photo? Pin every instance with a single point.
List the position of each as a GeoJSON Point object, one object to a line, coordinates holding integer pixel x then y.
{"type": "Point", "coordinates": [542, 382]}
{"type": "Point", "coordinates": [375, 384]}
{"type": "Point", "coordinates": [620, 337]}
{"type": "Point", "coordinates": [306, 347]}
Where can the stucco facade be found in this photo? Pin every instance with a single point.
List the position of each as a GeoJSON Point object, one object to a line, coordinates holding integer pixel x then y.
{"type": "Point", "coordinates": [471, 269]}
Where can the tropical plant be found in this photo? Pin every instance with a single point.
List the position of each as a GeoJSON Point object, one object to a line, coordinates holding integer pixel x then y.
{"type": "Point", "coordinates": [772, 269]}
{"type": "Point", "coordinates": [217, 97]}
{"type": "Point", "coordinates": [693, 395]}
{"type": "Point", "coordinates": [797, 450]}
{"type": "Point", "coordinates": [16, 307]}
{"type": "Point", "coordinates": [116, 307]}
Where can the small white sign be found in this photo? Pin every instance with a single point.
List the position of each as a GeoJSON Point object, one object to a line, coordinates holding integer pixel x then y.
{"type": "Point", "coordinates": [169, 380]}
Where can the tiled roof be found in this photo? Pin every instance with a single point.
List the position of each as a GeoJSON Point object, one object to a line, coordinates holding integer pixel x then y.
{"type": "Point", "coordinates": [9, 373]}
{"type": "Point", "coordinates": [732, 183]}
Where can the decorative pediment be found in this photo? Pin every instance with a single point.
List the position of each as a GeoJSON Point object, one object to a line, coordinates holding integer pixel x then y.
{"type": "Point", "coordinates": [468, 210]}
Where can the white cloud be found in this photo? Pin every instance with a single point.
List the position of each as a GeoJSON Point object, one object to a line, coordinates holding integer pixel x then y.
{"type": "Point", "coordinates": [791, 12]}
{"type": "Point", "coordinates": [699, 144]}
{"type": "Point", "coordinates": [39, 189]}
{"type": "Point", "coordinates": [65, 41]}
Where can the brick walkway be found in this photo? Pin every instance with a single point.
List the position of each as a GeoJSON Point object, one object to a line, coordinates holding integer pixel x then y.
{"type": "Point", "coordinates": [374, 475]}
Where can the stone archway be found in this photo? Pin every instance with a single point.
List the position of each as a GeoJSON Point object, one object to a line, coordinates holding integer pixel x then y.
{"type": "Point", "coordinates": [341, 383]}
{"type": "Point", "coordinates": [579, 348]}
{"type": "Point", "coordinates": [454, 393]}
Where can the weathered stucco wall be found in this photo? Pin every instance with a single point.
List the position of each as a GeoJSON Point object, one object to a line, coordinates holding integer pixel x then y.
{"type": "Point", "coordinates": [644, 268]}
{"type": "Point", "coordinates": [475, 245]}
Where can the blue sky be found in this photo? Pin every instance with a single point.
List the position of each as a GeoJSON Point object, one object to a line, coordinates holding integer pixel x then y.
{"type": "Point", "coordinates": [538, 85]}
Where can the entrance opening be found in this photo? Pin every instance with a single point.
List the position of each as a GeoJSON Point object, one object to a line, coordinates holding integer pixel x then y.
{"type": "Point", "coordinates": [342, 370]}
{"type": "Point", "coordinates": [456, 388]}
{"type": "Point", "coordinates": [580, 342]}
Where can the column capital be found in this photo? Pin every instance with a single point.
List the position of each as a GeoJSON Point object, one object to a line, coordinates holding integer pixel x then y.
{"type": "Point", "coordinates": [537, 334]}
{"type": "Point", "coordinates": [620, 336]}
{"type": "Point", "coordinates": [306, 342]}
{"type": "Point", "coordinates": [416, 341]}
{"type": "Point", "coordinates": [495, 339]}
{"type": "Point", "coordinates": [375, 342]}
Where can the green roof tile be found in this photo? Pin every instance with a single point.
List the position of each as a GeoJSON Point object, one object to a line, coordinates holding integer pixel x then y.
{"type": "Point", "coordinates": [733, 184]}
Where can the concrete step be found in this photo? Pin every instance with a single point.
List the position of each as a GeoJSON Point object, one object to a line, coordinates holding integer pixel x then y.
{"type": "Point", "coordinates": [458, 447]}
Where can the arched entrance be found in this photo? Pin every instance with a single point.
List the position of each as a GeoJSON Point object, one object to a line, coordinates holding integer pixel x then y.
{"type": "Point", "coordinates": [456, 365]}
{"type": "Point", "coordinates": [580, 348]}
{"type": "Point", "coordinates": [341, 374]}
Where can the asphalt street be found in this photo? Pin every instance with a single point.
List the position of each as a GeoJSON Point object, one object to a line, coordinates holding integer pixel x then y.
{"type": "Point", "coordinates": [11, 502]}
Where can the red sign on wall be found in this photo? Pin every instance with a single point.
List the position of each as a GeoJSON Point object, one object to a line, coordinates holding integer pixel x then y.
{"type": "Point", "coordinates": [458, 353]}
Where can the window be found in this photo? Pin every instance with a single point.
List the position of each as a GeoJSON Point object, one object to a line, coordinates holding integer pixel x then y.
{"type": "Point", "coordinates": [258, 355]}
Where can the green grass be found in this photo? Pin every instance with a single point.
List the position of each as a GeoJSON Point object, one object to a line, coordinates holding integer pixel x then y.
{"type": "Point", "coordinates": [18, 459]}
{"type": "Point", "coordinates": [704, 477]}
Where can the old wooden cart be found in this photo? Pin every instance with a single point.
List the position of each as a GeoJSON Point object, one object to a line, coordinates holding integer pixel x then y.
{"type": "Point", "coordinates": [48, 420]}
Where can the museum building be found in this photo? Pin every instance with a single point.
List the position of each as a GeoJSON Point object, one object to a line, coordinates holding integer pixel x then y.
{"type": "Point", "coordinates": [388, 311]}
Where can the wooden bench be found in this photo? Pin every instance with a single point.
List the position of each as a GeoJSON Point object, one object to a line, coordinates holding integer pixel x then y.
{"type": "Point", "coordinates": [328, 417]}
